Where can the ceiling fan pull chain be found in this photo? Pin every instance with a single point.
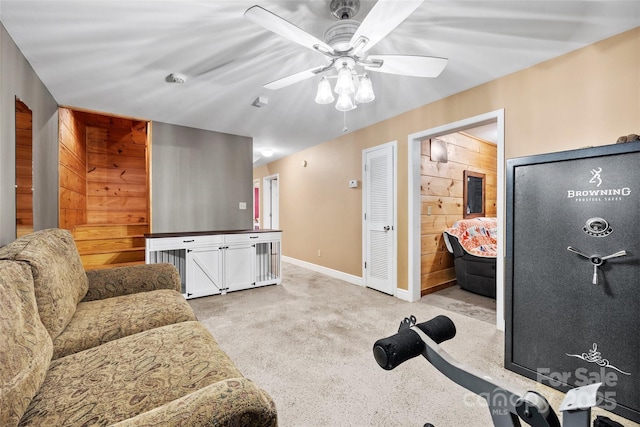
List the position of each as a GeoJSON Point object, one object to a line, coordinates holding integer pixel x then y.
{"type": "Point", "coordinates": [344, 122]}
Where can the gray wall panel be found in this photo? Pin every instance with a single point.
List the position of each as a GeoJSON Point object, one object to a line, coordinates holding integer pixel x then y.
{"type": "Point", "coordinates": [199, 178]}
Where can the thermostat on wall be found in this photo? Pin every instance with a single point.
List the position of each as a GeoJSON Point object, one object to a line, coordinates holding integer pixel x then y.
{"type": "Point", "coordinates": [353, 183]}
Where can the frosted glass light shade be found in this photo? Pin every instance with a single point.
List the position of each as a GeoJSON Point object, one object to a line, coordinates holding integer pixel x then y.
{"type": "Point", "coordinates": [365, 91]}
{"type": "Point", "coordinates": [324, 95]}
{"type": "Point", "coordinates": [344, 102]}
{"type": "Point", "coordinates": [345, 82]}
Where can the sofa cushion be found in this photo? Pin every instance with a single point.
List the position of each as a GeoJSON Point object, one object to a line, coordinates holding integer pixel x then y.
{"type": "Point", "coordinates": [101, 321]}
{"type": "Point", "coordinates": [129, 376]}
{"type": "Point", "coordinates": [59, 279]}
{"type": "Point", "coordinates": [26, 345]}
{"type": "Point", "coordinates": [131, 279]}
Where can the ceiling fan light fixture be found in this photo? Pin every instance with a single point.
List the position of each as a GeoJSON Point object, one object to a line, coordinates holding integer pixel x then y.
{"type": "Point", "coordinates": [324, 95]}
{"type": "Point", "coordinates": [365, 90]}
{"type": "Point", "coordinates": [345, 103]}
{"type": "Point", "coordinates": [346, 45]}
{"type": "Point", "coordinates": [345, 81]}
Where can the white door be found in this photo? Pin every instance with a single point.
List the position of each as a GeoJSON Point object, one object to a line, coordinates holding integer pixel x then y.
{"type": "Point", "coordinates": [271, 203]}
{"type": "Point", "coordinates": [239, 267]}
{"type": "Point", "coordinates": [379, 233]}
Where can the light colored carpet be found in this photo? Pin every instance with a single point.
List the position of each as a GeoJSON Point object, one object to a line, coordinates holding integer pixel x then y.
{"type": "Point", "coordinates": [308, 343]}
{"type": "Point", "coordinates": [463, 302]}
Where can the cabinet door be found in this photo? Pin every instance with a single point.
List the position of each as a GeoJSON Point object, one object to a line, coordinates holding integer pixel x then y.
{"type": "Point", "coordinates": [239, 267]}
{"type": "Point", "coordinates": [204, 271]}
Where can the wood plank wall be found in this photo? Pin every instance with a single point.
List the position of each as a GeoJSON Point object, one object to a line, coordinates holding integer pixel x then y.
{"type": "Point", "coordinates": [72, 170]}
{"type": "Point", "coordinates": [441, 191]}
{"type": "Point", "coordinates": [117, 184]}
{"type": "Point", "coordinates": [103, 169]}
{"type": "Point", "coordinates": [24, 169]}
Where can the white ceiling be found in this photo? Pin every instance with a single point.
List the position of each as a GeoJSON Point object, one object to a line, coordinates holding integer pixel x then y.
{"type": "Point", "coordinates": [114, 56]}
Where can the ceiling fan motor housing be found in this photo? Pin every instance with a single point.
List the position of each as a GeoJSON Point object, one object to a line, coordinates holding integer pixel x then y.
{"type": "Point", "coordinates": [344, 9]}
{"type": "Point", "coordinates": [339, 34]}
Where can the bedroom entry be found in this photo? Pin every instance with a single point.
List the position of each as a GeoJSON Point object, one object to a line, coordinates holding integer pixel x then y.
{"type": "Point", "coordinates": [271, 202]}
{"type": "Point", "coordinates": [379, 245]}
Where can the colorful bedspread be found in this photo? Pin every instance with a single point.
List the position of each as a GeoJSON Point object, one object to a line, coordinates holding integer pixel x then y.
{"type": "Point", "coordinates": [477, 236]}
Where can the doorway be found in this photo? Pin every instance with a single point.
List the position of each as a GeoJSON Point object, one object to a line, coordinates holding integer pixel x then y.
{"type": "Point", "coordinates": [414, 140]}
{"type": "Point", "coordinates": [24, 169]}
{"type": "Point", "coordinates": [271, 202]}
{"type": "Point", "coordinates": [256, 204]}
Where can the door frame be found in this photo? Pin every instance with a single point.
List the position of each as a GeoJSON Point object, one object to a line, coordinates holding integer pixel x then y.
{"type": "Point", "coordinates": [414, 142]}
{"type": "Point", "coordinates": [394, 249]}
{"type": "Point", "coordinates": [267, 200]}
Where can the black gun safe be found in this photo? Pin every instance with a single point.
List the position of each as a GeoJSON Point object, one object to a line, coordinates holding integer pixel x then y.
{"type": "Point", "coordinates": [572, 285]}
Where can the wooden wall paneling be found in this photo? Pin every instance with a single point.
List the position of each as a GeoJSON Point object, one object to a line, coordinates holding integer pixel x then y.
{"type": "Point", "coordinates": [441, 186]}
{"type": "Point", "coordinates": [436, 262]}
{"type": "Point", "coordinates": [438, 279]}
{"type": "Point", "coordinates": [441, 201]}
{"type": "Point", "coordinates": [104, 186]}
{"type": "Point", "coordinates": [117, 174]}
{"type": "Point", "coordinates": [436, 224]}
{"type": "Point", "coordinates": [71, 168]}
{"type": "Point", "coordinates": [121, 189]}
{"type": "Point", "coordinates": [116, 217]}
{"type": "Point", "coordinates": [432, 243]}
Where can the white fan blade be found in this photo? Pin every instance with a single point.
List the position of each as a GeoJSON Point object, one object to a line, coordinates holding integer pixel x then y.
{"type": "Point", "coordinates": [286, 29]}
{"type": "Point", "coordinates": [407, 65]}
{"type": "Point", "coordinates": [293, 78]}
{"type": "Point", "coordinates": [383, 18]}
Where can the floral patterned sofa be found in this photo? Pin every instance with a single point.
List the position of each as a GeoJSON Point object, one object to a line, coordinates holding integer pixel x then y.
{"type": "Point", "coordinates": [473, 245]}
{"type": "Point", "coordinates": [109, 347]}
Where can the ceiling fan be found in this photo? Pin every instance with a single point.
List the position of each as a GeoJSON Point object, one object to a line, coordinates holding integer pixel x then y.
{"type": "Point", "coordinates": [347, 42]}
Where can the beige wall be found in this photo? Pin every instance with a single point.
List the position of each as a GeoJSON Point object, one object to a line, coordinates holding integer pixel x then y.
{"type": "Point", "coordinates": [588, 97]}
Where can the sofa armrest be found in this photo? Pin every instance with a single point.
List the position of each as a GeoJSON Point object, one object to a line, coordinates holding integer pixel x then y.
{"type": "Point", "coordinates": [232, 402]}
{"type": "Point", "coordinates": [112, 282]}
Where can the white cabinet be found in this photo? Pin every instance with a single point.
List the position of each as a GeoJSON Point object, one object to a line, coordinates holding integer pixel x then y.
{"type": "Point", "coordinates": [211, 264]}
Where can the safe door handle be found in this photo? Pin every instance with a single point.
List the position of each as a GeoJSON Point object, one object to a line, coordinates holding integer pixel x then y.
{"type": "Point", "coordinates": [596, 260]}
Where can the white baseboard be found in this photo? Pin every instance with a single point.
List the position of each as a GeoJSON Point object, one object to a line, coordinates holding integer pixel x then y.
{"type": "Point", "coordinates": [355, 280]}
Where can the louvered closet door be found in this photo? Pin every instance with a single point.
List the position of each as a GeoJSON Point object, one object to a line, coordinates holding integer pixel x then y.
{"type": "Point", "coordinates": [379, 218]}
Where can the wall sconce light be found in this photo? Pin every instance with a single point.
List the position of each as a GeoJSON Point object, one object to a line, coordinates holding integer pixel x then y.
{"type": "Point", "coordinates": [439, 151]}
